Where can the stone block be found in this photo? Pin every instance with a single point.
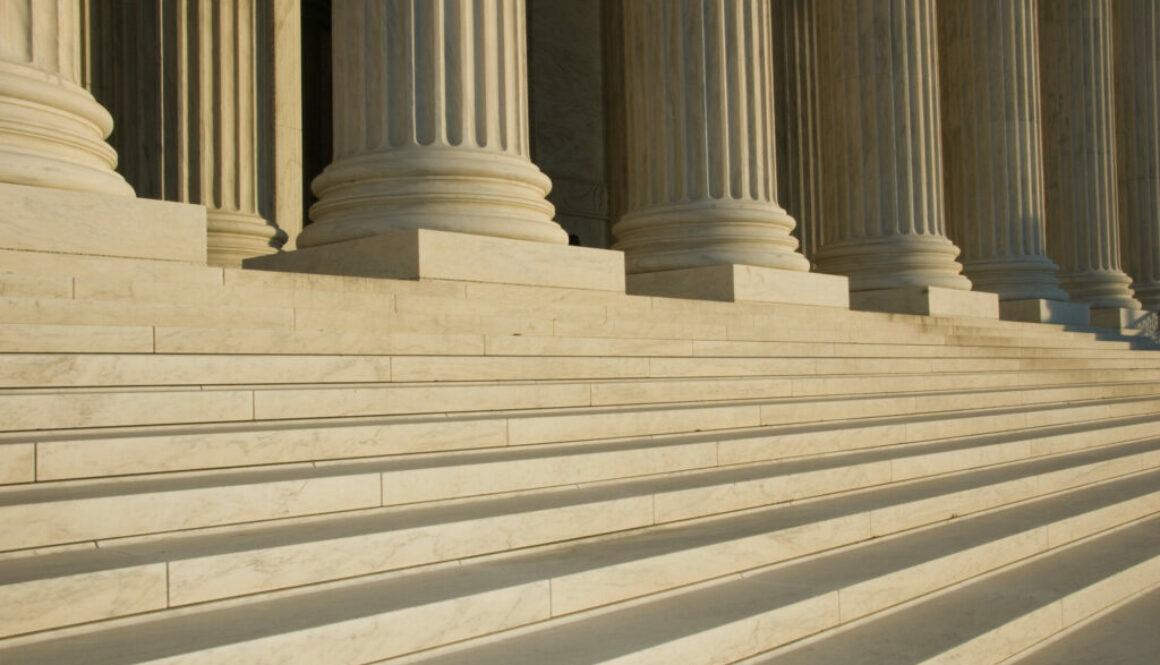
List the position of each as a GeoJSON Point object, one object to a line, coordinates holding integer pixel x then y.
{"type": "Point", "coordinates": [1119, 318]}
{"type": "Point", "coordinates": [928, 301]}
{"type": "Point", "coordinates": [40, 219]}
{"type": "Point", "coordinates": [1039, 310]}
{"type": "Point", "coordinates": [739, 283]}
{"type": "Point", "coordinates": [425, 254]}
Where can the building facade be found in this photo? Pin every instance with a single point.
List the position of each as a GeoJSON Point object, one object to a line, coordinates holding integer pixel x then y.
{"type": "Point", "coordinates": [969, 148]}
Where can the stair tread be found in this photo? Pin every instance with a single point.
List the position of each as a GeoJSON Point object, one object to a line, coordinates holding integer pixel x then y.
{"type": "Point", "coordinates": [340, 604]}
{"type": "Point", "coordinates": [940, 622]}
{"type": "Point", "coordinates": [1126, 635]}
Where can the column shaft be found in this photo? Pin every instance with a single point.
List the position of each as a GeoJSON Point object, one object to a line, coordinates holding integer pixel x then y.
{"type": "Point", "coordinates": [430, 124]}
{"type": "Point", "coordinates": [217, 102]}
{"type": "Point", "coordinates": [52, 131]}
{"type": "Point", "coordinates": [1079, 150]}
{"type": "Point", "coordinates": [795, 56]}
{"type": "Point", "coordinates": [881, 146]}
{"type": "Point", "coordinates": [993, 157]}
{"type": "Point", "coordinates": [1137, 90]}
{"type": "Point", "coordinates": [701, 180]}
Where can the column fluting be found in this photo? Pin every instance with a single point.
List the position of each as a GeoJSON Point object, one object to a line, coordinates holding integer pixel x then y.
{"type": "Point", "coordinates": [52, 131]}
{"type": "Point", "coordinates": [881, 146]}
{"type": "Point", "coordinates": [701, 181]}
{"type": "Point", "coordinates": [218, 107]}
{"type": "Point", "coordinates": [1137, 89]}
{"type": "Point", "coordinates": [992, 146]}
{"type": "Point", "coordinates": [795, 57]}
{"type": "Point", "coordinates": [1079, 150]}
{"type": "Point", "coordinates": [430, 124]}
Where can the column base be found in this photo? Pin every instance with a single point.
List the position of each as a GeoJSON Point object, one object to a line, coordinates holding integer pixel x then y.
{"type": "Point", "coordinates": [1118, 318]}
{"type": "Point", "coordinates": [1040, 310]}
{"type": "Point", "coordinates": [928, 301]}
{"type": "Point", "coordinates": [426, 254]}
{"type": "Point", "coordinates": [41, 219]}
{"type": "Point", "coordinates": [741, 283]}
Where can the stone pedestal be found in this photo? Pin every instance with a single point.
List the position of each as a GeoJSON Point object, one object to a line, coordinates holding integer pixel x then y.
{"type": "Point", "coordinates": [992, 154]}
{"type": "Point", "coordinates": [735, 283]}
{"type": "Point", "coordinates": [1137, 93]}
{"type": "Point", "coordinates": [52, 131]}
{"type": "Point", "coordinates": [882, 155]}
{"type": "Point", "coordinates": [1079, 151]}
{"type": "Point", "coordinates": [52, 221]}
{"type": "Point", "coordinates": [928, 301]}
{"type": "Point", "coordinates": [430, 125]}
{"type": "Point", "coordinates": [1042, 310]}
{"type": "Point", "coordinates": [1118, 318]}
{"type": "Point", "coordinates": [466, 257]}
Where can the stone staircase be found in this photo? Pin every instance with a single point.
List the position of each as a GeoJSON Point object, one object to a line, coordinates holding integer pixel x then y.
{"type": "Point", "coordinates": [219, 466]}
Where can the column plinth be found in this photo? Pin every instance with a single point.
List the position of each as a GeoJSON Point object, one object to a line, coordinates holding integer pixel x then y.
{"type": "Point", "coordinates": [882, 151]}
{"type": "Point", "coordinates": [1079, 151]}
{"type": "Point", "coordinates": [431, 125]}
{"type": "Point", "coordinates": [52, 131]}
{"type": "Point", "coordinates": [701, 179]}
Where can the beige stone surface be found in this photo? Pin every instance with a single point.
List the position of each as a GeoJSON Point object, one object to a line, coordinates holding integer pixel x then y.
{"type": "Point", "coordinates": [66, 338]}
{"type": "Point", "coordinates": [737, 283]}
{"type": "Point", "coordinates": [82, 456]}
{"type": "Point", "coordinates": [32, 411]}
{"type": "Point", "coordinates": [17, 463]}
{"type": "Point", "coordinates": [233, 573]}
{"type": "Point", "coordinates": [74, 599]}
{"type": "Point", "coordinates": [427, 254]}
{"type": "Point", "coordinates": [1040, 310]}
{"type": "Point", "coordinates": [930, 301]}
{"type": "Point", "coordinates": [60, 518]}
{"type": "Point", "coordinates": [47, 220]}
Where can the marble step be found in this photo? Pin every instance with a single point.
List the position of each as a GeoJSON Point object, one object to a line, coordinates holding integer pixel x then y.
{"type": "Point", "coordinates": [461, 316]}
{"type": "Point", "coordinates": [120, 579]}
{"type": "Point", "coordinates": [771, 399]}
{"type": "Point", "coordinates": [35, 370]}
{"type": "Point", "coordinates": [714, 623]}
{"type": "Point", "coordinates": [62, 512]}
{"type": "Point", "coordinates": [1124, 634]}
{"type": "Point", "coordinates": [761, 610]}
{"type": "Point", "coordinates": [95, 278]}
{"type": "Point", "coordinates": [64, 338]}
{"type": "Point", "coordinates": [1000, 615]}
{"type": "Point", "coordinates": [94, 453]}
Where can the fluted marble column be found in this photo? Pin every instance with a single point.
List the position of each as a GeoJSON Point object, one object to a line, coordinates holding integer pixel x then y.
{"type": "Point", "coordinates": [701, 181]}
{"type": "Point", "coordinates": [1137, 90]}
{"type": "Point", "coordinates": [430, 124]}
{"type": "Point", "coordinates": [52, 131]}
{"type": "Point", "coordinates": [992, 149]}
{"type": "Point", "coordinates": [795, 57]}
{"type": "Point", "coordinates": [219, 107]}
{"type": "Point", "coordinates": [881, 146]}
{"type": "Point", "coordinates": [1079, 150]}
